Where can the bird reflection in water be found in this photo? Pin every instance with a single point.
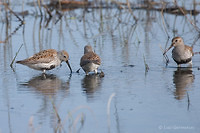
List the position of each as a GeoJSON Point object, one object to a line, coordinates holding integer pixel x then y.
{"type": "Point", "coordinates": [91, 83]}
{"type": "Point", "coordinates": [47, 84]}
{"type": "Point", "coordinates": [183, 78]}
{"type": "Point", "coordinates": [50, 90]}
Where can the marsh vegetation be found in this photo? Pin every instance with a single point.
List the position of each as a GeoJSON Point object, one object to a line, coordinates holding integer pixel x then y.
{"type": "Point", "coordinates": [138, 91]}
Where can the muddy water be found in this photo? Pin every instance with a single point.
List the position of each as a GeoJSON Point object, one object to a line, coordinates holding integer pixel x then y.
{"type": "Point", "coordinates": [162, 99]}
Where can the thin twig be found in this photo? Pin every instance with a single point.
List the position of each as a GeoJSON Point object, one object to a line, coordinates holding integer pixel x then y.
{"type": "Point", "coordinates": [6, 6]}
{"type": "Point", "coordinates": [16, 29]}
{"type": "Point", "coordinates": [11, 64]}
{"type": "Point", "coordinates": [165, 56]}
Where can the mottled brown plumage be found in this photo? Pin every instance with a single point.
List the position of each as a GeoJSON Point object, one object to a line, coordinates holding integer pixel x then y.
{"type": "Point", "coordinates": [190, 49]}
{"type": "Point", "coordinates": [44, 56]}
{"type": "Point", "coordinates": [181, 53]}
{"type": "Point", "coordinates": [90, 61]}
{"type": "Point", "coordinates": [46, 60]}
{"type": "Point", "coordinates": [90, 57]}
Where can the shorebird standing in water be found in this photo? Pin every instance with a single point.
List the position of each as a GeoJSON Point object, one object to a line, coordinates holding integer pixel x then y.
{"type": "Point", "coordinates": [46, 60]}
{"type": "Point", "coordinates": [182, 54]}
{"type": "Point", "coordinates": [90, 61]}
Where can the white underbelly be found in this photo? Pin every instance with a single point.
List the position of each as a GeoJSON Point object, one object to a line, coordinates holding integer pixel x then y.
{"type": "Point", "coordinates": [47, 66]}
{"type": "Point", "coordinates": [90, 67]}
{"type": "Point", "coordinates": [179, 56]}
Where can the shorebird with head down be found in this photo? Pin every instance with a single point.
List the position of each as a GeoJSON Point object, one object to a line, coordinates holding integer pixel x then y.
{"type": "Point", "coordinates": [46, 60]}
{"type": "Point", "coordinates": [90, 61]}
{"type": "Point", "coordinates": [182, 54]}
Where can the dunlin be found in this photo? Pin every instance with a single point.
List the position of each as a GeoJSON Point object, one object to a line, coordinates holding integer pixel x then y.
{"type": "Point", "coordinates": [46, 60]}
{"type": "Point", "coordinates": [90, 61]}
{"type": "Point", "coordinates": [182, 54]}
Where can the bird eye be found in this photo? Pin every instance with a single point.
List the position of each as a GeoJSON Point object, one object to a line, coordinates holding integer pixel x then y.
{"type": "Point", "coordinates": [65, 56]}
{"type": "Point", "coordinates": [176, 40]}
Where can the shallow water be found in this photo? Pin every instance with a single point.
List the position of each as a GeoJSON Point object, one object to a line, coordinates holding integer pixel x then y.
{"type": "Point", "coordinates": [162, 99]}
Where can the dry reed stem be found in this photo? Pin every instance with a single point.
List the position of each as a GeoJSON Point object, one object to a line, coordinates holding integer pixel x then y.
{"type": "Point", "coordinates": [59, 127]}
{"type": "Point", "coordinates": [50, 15]}
{"type": "Point", "coordinates": [119, 4]}
{"type": "Point", "coordinates": [130, 10]}
{"type": "Point", "coordinates": [22, 22]}
{"type": "Point", "coordinates": [195, 26]}
{"type": "Point", "coordinates": [108, 108]}
{"type": "Point", "coordinates": [23, 10]}
{"type": "Point", "coordinates": [69, 115]}
{"type": "Point", "coordinates": [78, 3]}
{"type": "Point", "coordinates": [11, 64]}
{"type": "Point", "coordinates": [33, 129]}
{"type": "Point", "coordinates": [35, 6]}
{"type": "Point", "coordinates": [39, 5]}
{"type": "Point", "coordinates": [59, 4]}
{"type": "Point", "coordinates": [164, 22]}
{"type": "Point", "coordinates": [165, 56]}
{"type": "Point", "coordinates": [16, 29]}
{"type": "Point", "coordinates": [80, 116]}
{"type": "Point", "coordinates": [6, 6]}
{"type": "Point", "coordinates": [31, 124]}
{"type": "Point", "coordinates": [146, 65]}
{"type": "Point", "coordinates": [78, 108]}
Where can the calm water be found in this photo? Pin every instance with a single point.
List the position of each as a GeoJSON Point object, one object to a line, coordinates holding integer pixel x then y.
{"type": "Point", "coordinates": [164, 99]}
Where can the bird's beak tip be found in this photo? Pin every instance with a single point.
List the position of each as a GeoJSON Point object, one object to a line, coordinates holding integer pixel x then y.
{"type": "Point", "coordinates": [167, 49]}
{"type": "Point", "coordinates": [69, 66]}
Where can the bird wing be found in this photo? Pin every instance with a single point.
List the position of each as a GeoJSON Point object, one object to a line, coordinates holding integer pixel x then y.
{"type": "Point", "coordinates": [190, 49]}
{"type": "Point", "coordinates": [44, 56]}
{"type": "Point", "coordinates": [90, 57]}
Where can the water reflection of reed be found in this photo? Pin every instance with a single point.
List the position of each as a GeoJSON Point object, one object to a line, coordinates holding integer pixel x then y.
{"type": "Point", "coordinates": [90, 84]}
{"type": "Point", "coordinates": [94, 26]}
{"type": "Point", "coordinates": [107, 20]}
{"type": "Point", "coordinates": [183, 78]}
{"type": "Point", "coordinates": [47, 86]}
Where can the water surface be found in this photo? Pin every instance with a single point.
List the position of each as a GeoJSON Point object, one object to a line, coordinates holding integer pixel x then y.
{"type": "Point", "coordinates": [162, 99]}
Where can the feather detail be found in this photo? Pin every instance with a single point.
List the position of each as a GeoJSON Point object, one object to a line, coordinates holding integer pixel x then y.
{"type": "Point", "coordinates": [90, 57]}
{"type": "Point", "coordinates": [190, 49]}
{"type": "Point", "coordinates": [44, 56]}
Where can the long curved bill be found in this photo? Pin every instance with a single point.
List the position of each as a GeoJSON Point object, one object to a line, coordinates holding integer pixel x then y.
{"type": "Point", "coordinates": [69, 66]}
{"type": "Point", "coordinates": [167, 49]}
